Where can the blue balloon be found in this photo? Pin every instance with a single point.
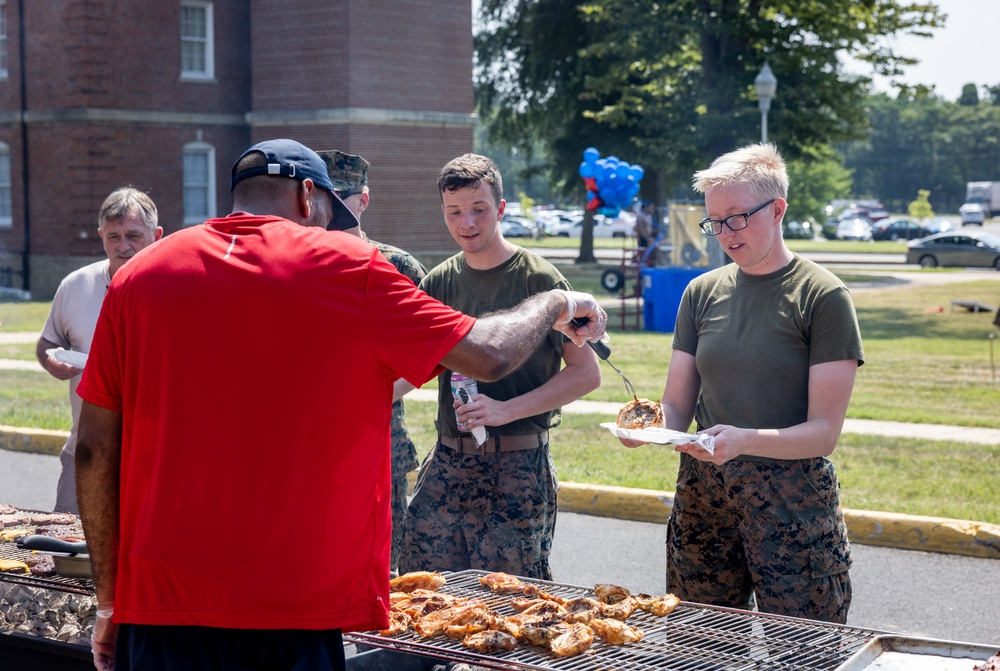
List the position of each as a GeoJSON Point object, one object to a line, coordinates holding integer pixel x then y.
{"type": "Point", "coordinates": [590, 154]}
{"type": "Point", "coordinates": [607, 194]}
{"type": "Point", "coordinates": [587, 169]}
{"type": "Point", "coordinates": [633, 191]}
{"type": "Point", "coordinates": [607, 173]}
{"type": "Point", "coordinates": [637, 172]}
{"type": "Point", "coordinates": [614, 159]}
{"type": "Point", "coordinates": [590, 195]}
{"type": "Point", "coordinates": [623, 169]}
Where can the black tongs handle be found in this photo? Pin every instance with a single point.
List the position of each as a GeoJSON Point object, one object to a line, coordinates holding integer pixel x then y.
{"type": "Point", "coordinates": [600, 347]}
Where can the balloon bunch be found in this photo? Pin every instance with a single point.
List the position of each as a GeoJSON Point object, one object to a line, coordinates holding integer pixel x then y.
{"type": "Point", "coordinates": [611, 183]}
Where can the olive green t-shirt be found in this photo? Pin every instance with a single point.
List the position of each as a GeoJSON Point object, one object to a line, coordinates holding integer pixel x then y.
{"type": "Point", "coordinates": [477, 292]}
{"type": "Point", "coordinates": [754, 338]}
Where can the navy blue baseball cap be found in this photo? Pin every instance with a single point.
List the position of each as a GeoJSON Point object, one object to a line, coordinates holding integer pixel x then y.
{"type": "Point", "coordinates": [289, 158]}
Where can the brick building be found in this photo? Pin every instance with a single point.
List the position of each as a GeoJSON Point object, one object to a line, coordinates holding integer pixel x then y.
{"type": "Point", "coordinates": [165, 94]}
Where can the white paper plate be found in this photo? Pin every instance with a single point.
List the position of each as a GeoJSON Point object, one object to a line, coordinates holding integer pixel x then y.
{"type": "Point", "coordinates": [663, 436]}
{"type": "Point", "coordinates": [72, 357]}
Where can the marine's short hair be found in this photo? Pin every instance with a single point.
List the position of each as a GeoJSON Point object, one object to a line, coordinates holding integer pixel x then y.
{"type": "Point", "coordinates": [126, 201]}
{"type": "Point", "coordinates": [470, 171]}
{"type": "Point", "coordinates": [757, 166]}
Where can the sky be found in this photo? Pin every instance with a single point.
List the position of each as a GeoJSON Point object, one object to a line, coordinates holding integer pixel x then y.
{"type": "Point", "coordinates": [962, 52]}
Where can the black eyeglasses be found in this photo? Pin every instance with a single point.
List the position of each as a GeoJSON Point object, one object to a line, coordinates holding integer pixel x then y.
{"type": "Point", "coordinates": [735, 222]}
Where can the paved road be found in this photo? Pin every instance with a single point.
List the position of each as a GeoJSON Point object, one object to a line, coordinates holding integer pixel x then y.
{"type": "Point", "coordinates": [917, 593]}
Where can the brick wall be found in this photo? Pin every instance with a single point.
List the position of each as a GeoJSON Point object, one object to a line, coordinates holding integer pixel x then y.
{"type": "Point", "coordinates": [106, 106]}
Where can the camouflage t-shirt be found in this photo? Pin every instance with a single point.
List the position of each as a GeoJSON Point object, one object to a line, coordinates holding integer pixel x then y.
{"type": "Point", "coordinates": [404, 453]}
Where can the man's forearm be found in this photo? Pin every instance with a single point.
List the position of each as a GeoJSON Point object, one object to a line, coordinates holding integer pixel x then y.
{"type": "Point", "coordinates": [500, 342]}
{"type": "Point", "coordinates": [98, 486]}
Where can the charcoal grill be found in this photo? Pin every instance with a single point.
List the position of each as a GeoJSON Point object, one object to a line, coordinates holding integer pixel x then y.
{"type": "Point", "coordinates": [693, 637]}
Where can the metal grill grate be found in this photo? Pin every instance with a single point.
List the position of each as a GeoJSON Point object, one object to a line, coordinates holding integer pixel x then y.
{"type": "Point", "coordinates": [59, 583]}
{"type": "Point", "coordinates": [691, 638]}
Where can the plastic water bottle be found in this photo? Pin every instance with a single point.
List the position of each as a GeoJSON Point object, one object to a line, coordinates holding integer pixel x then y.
{"type": "Point", "coordinates": [463, 389]}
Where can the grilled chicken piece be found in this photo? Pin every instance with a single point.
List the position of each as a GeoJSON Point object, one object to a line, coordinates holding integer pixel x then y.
{"type": "Point", "coordinates": [504, 583]}
{"type": "Point", "coordinates": [640, 413]}
{"type": "Point", "coordinates": [490, 640]}
{"type": "Point", "coordinates": [477, 622]}
{"type": "Point", "coordinates": [421, 602]}
{"type": "Point", "coordinates": [418, 580]}
{"type": "Point", "coordinates": [578, 639]}
{"type": "Point", "coordinates": [398, 623]}
{"type": "Point", "coordinates": [434, 623]}
{"type": "Point", "coordinates": [621, 610]}
{"type": "Point", "coordinates": [582, 609]}
{"type": "Point", "coordinates": [543, 633]}
{"type": "Point", "coordinates": [610, 593]}
{"type": "Point", "coordinates": [553, 597]}
{"type": "Point", "coordinates": [615, 632]}
{"type": "Point", "coordinates": [658, 606]}
{"type": "Point", "coordinates": [545, 609]}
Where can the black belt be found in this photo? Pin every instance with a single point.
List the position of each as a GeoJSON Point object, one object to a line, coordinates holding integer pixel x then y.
{"type": "Point", "coordinates": [467, 444]}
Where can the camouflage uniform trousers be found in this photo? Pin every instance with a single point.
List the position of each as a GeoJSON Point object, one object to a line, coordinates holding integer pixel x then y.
{"type": "Point", "coordinates": [404, 460]}
{"type": "Point", "coordinates": [771, 531]}
{"type": "Point", "coordinates": [495, 512]}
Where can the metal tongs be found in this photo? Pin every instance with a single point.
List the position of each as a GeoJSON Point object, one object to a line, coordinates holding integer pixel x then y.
{"type": "Point", "coordinates": [603, 351]}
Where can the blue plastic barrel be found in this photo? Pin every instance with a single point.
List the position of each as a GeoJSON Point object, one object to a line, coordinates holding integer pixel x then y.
{"type": "Point", "coordinates": [661, 295]}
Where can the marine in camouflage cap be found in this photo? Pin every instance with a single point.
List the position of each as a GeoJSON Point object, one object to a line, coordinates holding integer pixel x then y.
{"type": "Point", "coordinates": [348, 172]}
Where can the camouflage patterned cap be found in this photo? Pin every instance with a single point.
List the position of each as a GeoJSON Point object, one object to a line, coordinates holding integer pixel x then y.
{"type": "Point", "coordinates": [348, 172]}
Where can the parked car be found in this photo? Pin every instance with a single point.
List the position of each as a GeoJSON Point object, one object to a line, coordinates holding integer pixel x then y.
{"type": "Point", "coordinates": [797, 230]}
{"type": "Point", "coordinates": [940, 225]}
{"type": "Point", "coordinates": [972, 249]}
{"type": "Point", "coordinates": [514, 228]}
{"type": "Point", "coordinates": [623, 226]}
{"type": "Point", "coordinates": [972, 213]}
{"type": "Point", "coordinates": [854, 229]}
{"type": "Point", "coordinates": [899, 229]}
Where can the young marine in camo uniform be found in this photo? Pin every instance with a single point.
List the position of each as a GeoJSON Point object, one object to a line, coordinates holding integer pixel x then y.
{"type": "Point", "coordinates": [349, 174]}
{"type": "Point", "coordinates": [765, 353]}
{"type": "Point", "coordinates": [492, 506]}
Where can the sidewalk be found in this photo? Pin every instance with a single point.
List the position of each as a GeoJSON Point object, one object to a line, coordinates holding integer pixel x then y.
{"type": "Point", "coordinates": [931, 534]}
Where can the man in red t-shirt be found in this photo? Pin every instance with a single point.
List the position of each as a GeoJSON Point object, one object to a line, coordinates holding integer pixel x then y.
{"type": "Point", "coordinates": [210, 437]}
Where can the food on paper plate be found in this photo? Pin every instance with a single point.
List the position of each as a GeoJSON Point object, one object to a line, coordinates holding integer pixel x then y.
{"type": "Point", "coordinates": [418, 580]}
{"type": "Point", "coordinates": [991, 664]}
{"type": "Point", "coordinates": [640, 413]}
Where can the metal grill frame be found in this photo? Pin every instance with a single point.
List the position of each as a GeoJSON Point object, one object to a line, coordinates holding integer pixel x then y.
{"type": "Point", "coordinates": [694, 637]}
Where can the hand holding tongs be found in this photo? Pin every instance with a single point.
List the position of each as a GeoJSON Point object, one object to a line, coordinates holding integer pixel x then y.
{"type": "Point", "coordinates": [603, 351]}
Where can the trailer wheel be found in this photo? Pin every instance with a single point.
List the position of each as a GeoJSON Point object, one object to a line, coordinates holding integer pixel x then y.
{"type": "Point", "coordinates": [612, 280]}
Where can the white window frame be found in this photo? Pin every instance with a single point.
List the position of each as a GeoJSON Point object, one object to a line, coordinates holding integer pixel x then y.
{"type": "Point", "coordinates": [208, 151]}
{"type": "Point", "coordinates": [4, 42]}
{"type": "Point", "coordinates": [208, 41]}
{"type": "Point", "coordinates": [6, 206]}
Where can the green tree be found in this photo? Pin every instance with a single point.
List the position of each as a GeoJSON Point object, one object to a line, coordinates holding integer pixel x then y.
{"type": "Point", "coordinates": [921, 207]}
{"type": "Point", "coordinates": [969, 96]}
{"type": "Point", "coordinates": [813, 181]}
{"type": "Point", "coordinates": [667, 84]}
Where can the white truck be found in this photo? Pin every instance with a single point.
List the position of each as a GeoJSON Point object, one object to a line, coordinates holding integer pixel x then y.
{"type": "Point", "coordinates": [984, 194]}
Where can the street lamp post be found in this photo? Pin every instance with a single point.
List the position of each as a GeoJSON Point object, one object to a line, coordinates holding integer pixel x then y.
{"type": "Point", "coordinates": [765, 83]}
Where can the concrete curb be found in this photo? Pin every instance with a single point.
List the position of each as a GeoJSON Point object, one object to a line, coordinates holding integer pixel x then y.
{"type": "Point", "coordinates": [38, 441]}
{"type": "Point", "coordinates": [866, 527]}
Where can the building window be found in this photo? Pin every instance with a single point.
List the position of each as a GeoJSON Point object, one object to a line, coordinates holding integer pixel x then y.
{"type": "Point", "coordinates": [3, 40]}
{"type": "Point", "coordinates": [6, 218]}
{"type": "Point", "coordinates": [197, 44]}
{"type": "Point", "coordinates": [199, 183]}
